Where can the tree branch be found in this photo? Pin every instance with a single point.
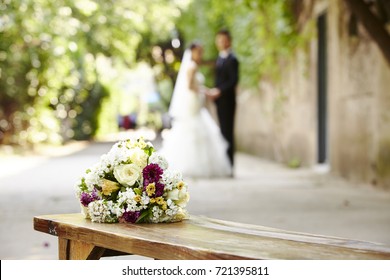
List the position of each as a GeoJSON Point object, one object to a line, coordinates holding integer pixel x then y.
{"type": "Point", "coordinates": [372, 24]}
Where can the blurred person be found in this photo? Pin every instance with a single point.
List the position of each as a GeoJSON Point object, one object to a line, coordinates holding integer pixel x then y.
{"type": "Point", "coordinates": [224, 93]}
{"type": "Point", "coordinates": [194, 145]}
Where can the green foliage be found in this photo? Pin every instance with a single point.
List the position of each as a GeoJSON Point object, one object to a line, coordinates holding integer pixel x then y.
{"type": "Point", "coordinates": [145, 214]}
{"type": "Point", "coordinates": [137, 191]}
{"type": "Point", "coordinates": [83, 186]}
{"type": "Point", "coordinates": [51, 87]}
{"type": "Point", "coordinates": [294, 162]}
{"type": "Point", "coordinates": [383, 160]}
{"type": "Point", "coordinates": [58, 58]}
{"type": "Point", "coordinates": [263, 33]}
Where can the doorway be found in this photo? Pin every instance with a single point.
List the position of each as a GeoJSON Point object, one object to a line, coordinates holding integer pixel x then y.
{"type": "Point", "coordinates": [322, 133]}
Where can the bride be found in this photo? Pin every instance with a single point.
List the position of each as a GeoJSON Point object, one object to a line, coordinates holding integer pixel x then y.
{"type": "Point", "coordinates": [194, 145]}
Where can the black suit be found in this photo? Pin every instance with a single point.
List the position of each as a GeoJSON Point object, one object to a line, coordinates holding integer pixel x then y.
{"type": "Point", "coordinates": [226, 81]}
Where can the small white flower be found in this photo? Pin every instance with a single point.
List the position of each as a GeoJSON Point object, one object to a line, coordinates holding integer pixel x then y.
{"type": "Point", "coordinates": [156, 214]}
{"type": "Point", "coordinates": [128, 198]}
{"type": "Point", "coordinates": [172, 210]}
{"type": "Point", "coordinates": [98, 211]}
{"type": "Point", "coordinates": [127, 174]}
{"type": "Point", "coordinates": [93, 179]}
{"type": "Point", "coordinates": [159, 159]}
{"type": "Point", "coordinates": [171, 178]}
{"type": "Point", "coordinates": [118, 210]}
{"type": "Point", "coordinates": [118, 154]}
{"type": "Point", "coordinates": [138, 143]}
{"type": "Point", "coordinates": [145, 199]}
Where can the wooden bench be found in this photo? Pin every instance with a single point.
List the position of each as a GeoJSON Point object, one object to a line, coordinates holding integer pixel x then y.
{"type": "Point", "coordinates": [197, 238]}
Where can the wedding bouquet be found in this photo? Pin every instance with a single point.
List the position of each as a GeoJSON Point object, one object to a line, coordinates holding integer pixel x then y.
{"type": "Point", "coordinates": [132, 183]}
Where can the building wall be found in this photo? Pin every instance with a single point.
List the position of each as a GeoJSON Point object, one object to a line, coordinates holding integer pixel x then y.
{"type": "Point", "coordinates": [280, 121]}
{"type": "Point", "coordinates": [359, 84]}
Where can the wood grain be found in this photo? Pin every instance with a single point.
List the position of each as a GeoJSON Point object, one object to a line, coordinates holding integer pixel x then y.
{"type": "Point", "coordinates": [205, 238]}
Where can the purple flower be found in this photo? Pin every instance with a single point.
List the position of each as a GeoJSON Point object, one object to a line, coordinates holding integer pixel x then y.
{"type": "Point", "coordinates": [130, 217]}
{"type": "Point", "coordinates": [87, 198]}
{"type": "Point", "coordinates": [152, 173]}
{"type": "Point", "coordinates": [159, 190]}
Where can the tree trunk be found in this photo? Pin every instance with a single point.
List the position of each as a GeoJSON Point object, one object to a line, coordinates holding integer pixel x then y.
{"type": "Point", "coordinates": [374, 26]}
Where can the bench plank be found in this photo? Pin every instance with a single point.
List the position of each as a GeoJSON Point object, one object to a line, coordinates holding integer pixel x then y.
{"type": "Point", "coordinates": [198, 238]}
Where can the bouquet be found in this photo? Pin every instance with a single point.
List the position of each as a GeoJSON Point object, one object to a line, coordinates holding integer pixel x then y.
{"type": "Point", "coordinates": [132, 183]}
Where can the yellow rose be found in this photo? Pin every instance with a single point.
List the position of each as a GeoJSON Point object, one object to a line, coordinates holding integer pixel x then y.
{"type": "Point", "coordinates": [109, 187]}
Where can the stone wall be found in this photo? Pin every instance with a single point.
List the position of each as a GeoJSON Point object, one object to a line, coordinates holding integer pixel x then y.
{"type": "Point", "coordinates": [279, 121]}
{"type": "Point", "coordinates": [359, 87]}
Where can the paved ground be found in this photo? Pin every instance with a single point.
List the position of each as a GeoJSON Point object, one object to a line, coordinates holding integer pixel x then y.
{"type": "Point", "coordinates": [262, 193]}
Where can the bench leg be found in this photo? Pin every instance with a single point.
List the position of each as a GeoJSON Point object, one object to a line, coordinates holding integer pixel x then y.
{"type": "Point", "coordinates": [78, 250]}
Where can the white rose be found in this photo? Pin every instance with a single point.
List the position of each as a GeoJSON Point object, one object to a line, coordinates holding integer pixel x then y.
{"type": "Point", "coordinates": [180, 197]}
{"type": "Point", "coordinates": [173, 195]}
{"type": "Point", "coordinates": [139, 157]}
{"type": "Point", "coordinates": [182, 202]}
{"type": "Point", "coordinates": [127, 174]}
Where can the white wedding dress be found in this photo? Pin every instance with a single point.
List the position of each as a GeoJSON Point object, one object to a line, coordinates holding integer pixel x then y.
{"type": "Point", "coordinates": [194, 145]}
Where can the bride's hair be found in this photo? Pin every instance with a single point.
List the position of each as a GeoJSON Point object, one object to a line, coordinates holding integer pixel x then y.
{"type": "Point", "coordinates": [194, 45]}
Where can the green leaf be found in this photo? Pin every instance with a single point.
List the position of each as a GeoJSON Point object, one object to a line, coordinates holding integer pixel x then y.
{"type": "Point", "coordinates": [144, 214]}
{"type": "Point", "coordinates": [149, 150]}
{"type": "Point", "coordinates": [137, 191]}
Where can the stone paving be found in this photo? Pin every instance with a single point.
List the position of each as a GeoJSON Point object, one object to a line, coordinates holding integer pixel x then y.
{"type": "Point", "coordinates": [262, 192]}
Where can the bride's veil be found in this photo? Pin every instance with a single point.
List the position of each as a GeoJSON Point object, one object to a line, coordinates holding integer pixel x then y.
{"type": "Point", "coordinates": [177, 107]}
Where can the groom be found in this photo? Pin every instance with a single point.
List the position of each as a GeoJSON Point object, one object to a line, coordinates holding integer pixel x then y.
{"type": "Point", "coordinates": [224, 93]}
